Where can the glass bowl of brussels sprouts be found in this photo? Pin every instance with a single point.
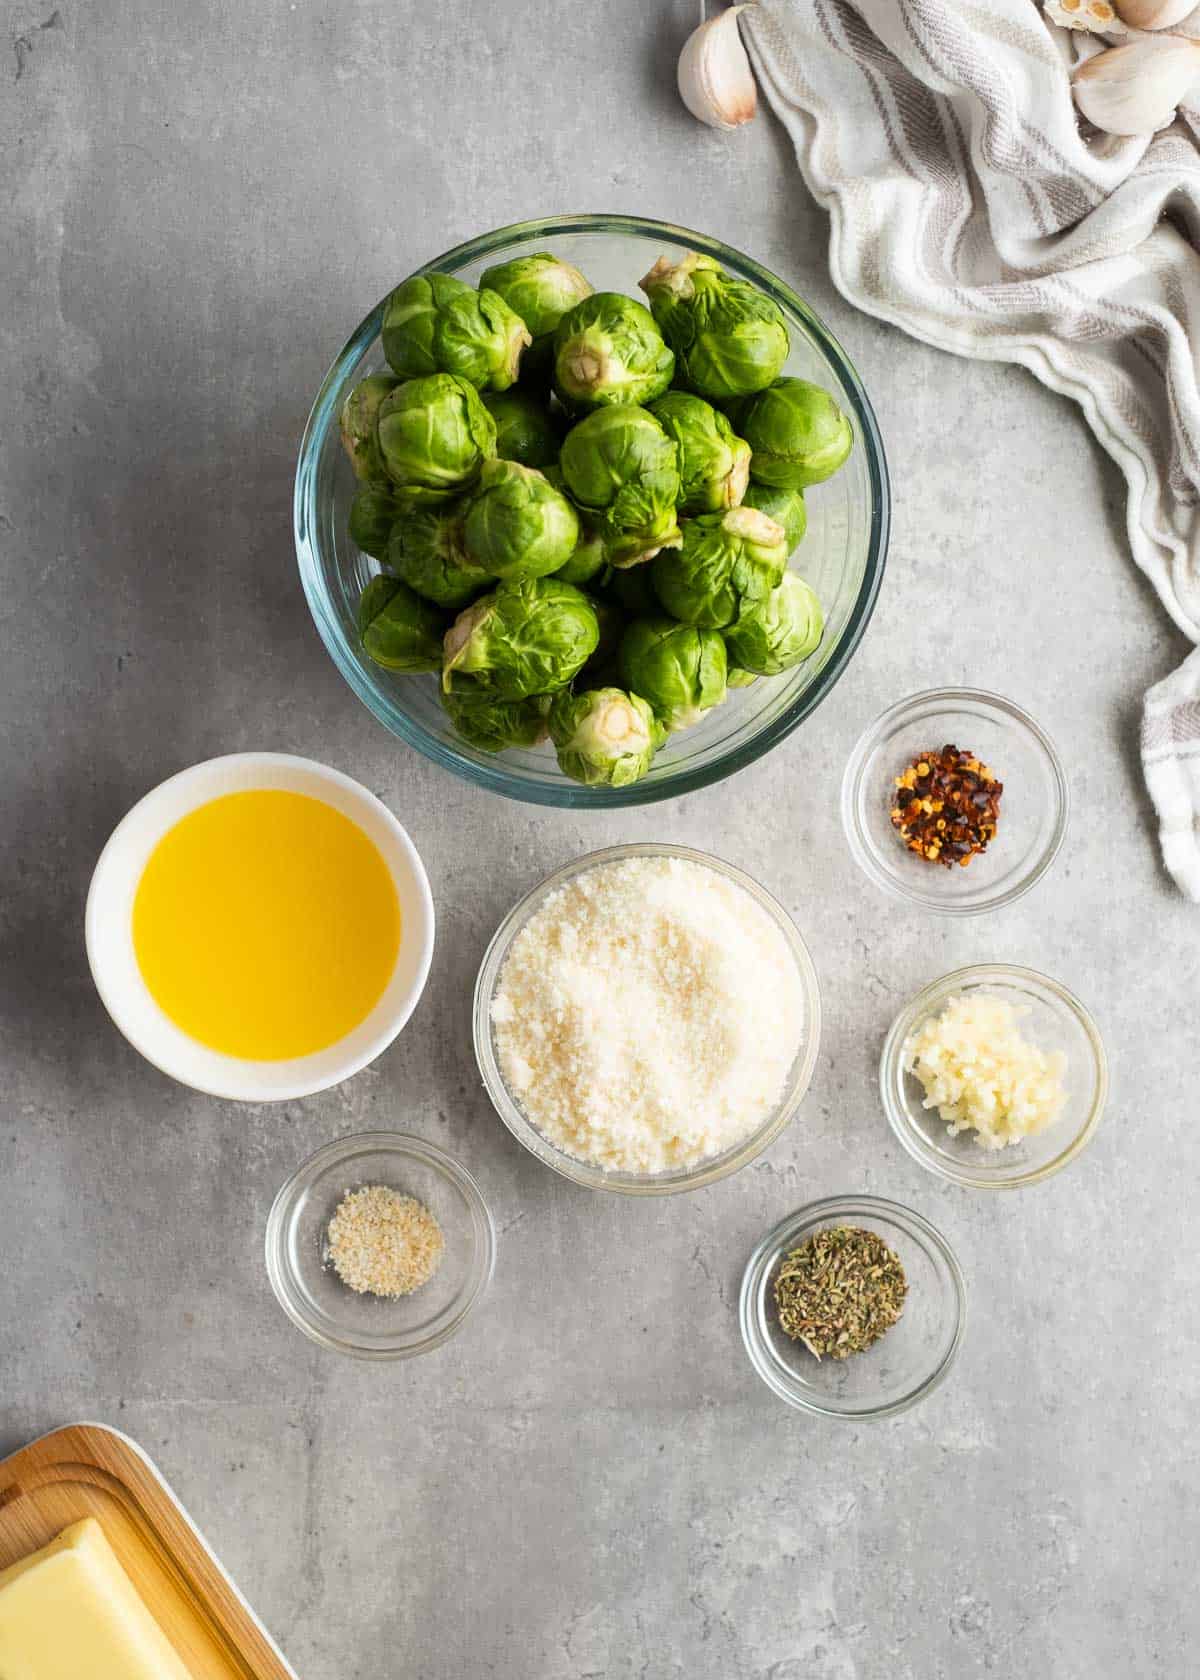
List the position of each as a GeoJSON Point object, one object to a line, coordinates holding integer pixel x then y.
{"type": "Point", "coordinates": [586, 538]}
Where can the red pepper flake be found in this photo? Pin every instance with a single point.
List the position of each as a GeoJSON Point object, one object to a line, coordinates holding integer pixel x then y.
{"type": "Point", "coordinates": [947, 806]}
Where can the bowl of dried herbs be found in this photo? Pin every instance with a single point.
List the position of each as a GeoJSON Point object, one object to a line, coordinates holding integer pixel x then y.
{"type": "Point", "coordinates": [853, 1307]}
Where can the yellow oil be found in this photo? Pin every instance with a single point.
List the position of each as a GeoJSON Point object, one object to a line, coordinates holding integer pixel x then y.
{"type": "Point", "coordinates": [266, 925]}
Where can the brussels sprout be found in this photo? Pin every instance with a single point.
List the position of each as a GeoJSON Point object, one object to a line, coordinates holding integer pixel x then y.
{"type": "Point", "coordinates": [785, 507]}
{"type": "Point", "coordinates": [537, 367]}
{"type": "Point", "coordinates": [604, 737]}
{"type": "Point", "coordinates": [612, 622]}
{"type": "Point", "coordinates": [540, 289]}
{"type": "Point", "coordinates": [517, 524]}
{"type": "Point", "coordinates": [398, 629]}
{"type": "Point", "coordinates": [428, 552]}
{"type": "Point", "coordinates": [434, 323]}
{"type": "Point", "coordinates": [797, 434]}
{"type": "Point", "coordinates": [679, 669]}
{"type": "Point", "coordinates": [434, 435]}
{"type": "Point", "coordinates": [607, 350]}
{"type": "Point", "coordinates": [728, 338]}
{"type": "Point", "coordinates": [373, 513]}
{"type": "Point", "coordinates": [623, 471]}
{"type": "Point", "coordinates": [735, 677]}
{"type": "Point", "coordinates": [490, 724]}
{"type": "Point", "coordinates": [358, 420]}
{"type": "Point", "coordinates": [524, 430]}
{"type": "Point", "coordinates": [776, 633]}
{"type": "Point", "coordinates": [714, 465]}
{"type": "Point", "coordinates": [726, 560]}
{"type": "Point", "coordinates": [527, 637]}
{"type": "Point", "coordinates": [587, 563]}
{"type": "Point", "coordinates": [633, 592]}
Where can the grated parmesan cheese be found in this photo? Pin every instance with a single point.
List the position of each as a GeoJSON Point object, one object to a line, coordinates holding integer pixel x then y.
{"type": "Point", "coordinates": [981, 1074]}
{"type": "Point", "coordinates": [647, 1016]}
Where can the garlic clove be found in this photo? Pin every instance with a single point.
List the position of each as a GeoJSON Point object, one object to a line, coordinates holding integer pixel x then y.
{"type": "Point", "coordinates": [716, 82]}
{"type": "Point", "coordinates": [1154, 14]}
{"type": "Point", "coordinates": [1135, 88]}
{"type": "Point", "coordinates": [1097, 17]}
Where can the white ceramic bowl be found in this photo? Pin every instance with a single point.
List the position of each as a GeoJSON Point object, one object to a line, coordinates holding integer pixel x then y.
{"type": "Point", "coordinates": [114, 965]}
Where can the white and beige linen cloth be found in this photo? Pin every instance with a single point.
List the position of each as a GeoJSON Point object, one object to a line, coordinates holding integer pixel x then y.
{"type": "Point", "coordinates": [968, 208]}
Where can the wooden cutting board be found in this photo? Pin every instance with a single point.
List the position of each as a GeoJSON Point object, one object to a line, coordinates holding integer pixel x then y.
{"type": "Point", "coordinates": [87, 1470]}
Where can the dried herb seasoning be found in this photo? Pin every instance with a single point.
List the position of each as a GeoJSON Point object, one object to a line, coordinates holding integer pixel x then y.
{"type": "Point", "coordinates": [839, 1291]}
{"type": "Point", "coordinates": [947, 806]}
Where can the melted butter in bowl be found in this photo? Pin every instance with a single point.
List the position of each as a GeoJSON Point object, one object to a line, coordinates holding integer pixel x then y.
{"type": "Point", "coordinates": [266, 924]}
{"type": "Point", "coordinates": [260, 927]}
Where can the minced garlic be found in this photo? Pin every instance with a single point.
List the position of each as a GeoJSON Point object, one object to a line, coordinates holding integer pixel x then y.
{"type": "Point", "coordinates": [982, 1075]}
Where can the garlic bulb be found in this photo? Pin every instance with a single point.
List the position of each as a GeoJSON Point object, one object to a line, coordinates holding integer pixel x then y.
{"type": "Point", "coordinates": [1098, 17]}
{"type": "Point", "coordinates": [1153, 14]}
{"type": "Point", "coordinates": [1135, 88]}
{"type": "Point", "coordinates": [716, 82]}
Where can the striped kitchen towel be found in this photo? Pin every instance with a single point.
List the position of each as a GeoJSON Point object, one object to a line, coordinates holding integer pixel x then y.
{"type": "Point", "coordinates": [1171, 757]}
{"type": "Point", "coordinates": [968, 208]}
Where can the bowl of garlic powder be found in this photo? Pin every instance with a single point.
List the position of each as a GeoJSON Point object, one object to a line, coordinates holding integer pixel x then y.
{"type": "Point", "coordinates": [647, 1019]}
{"type": "Point", "coordinates": [380, 1245]}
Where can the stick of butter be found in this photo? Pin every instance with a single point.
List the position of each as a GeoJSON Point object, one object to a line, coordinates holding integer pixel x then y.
{"type": "Point", "coordinates": [71, 1611]}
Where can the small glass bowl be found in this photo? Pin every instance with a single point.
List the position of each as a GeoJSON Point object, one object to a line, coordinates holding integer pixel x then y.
{"type": "Point", "coordinates": [1056, 1021]}
{"type": "Point", "coordinates": [906, 1363]}
{"type": "Point", "coordinates": [366, 1326]}
{"type": "Point", "coordinates": [1033, 808]}
{"type": "Point", "coordinates": [682, 1178]}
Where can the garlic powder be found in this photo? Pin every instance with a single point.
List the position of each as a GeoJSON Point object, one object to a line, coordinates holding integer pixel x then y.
{"type": "Point", "coordinates": [383, 1243]}
{"type": "Point", "coordinates": [648, 1015]}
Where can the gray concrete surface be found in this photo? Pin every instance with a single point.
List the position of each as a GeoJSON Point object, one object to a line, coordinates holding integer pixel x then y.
{"type": "Point", "coordinates": [590, 1481]}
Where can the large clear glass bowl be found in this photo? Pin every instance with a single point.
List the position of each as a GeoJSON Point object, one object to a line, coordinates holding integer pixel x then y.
{"type": "Point", "coordinates": [587, 1173]}
{"type": "Point", "coordinates": [842, 555]}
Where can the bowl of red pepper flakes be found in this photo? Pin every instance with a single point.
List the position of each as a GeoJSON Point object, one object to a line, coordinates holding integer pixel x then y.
{"type": "Point", "coordinates": [955, 799]}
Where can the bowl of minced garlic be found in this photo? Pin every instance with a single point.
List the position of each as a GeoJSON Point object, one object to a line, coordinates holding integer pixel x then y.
{"type": "Point", "coordinates": [994, 1077]}
{"type": "Point", "coordinates": [380, 1245]}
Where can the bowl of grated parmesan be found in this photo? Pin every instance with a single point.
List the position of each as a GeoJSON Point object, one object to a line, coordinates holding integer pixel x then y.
{"type": "Point", "coordinates": [647, 1019]}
